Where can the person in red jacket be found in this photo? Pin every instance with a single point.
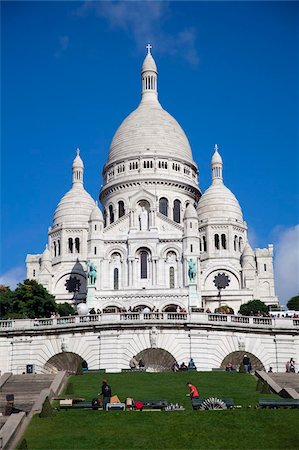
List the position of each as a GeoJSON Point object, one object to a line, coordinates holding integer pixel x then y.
{"type": "Point", "coordinates": [193, 391]}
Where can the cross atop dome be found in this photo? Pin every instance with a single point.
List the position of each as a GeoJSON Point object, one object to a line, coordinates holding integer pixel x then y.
{"type": "Point", "coordinates": [216, 148]}
{"type": "Point", "coordinates": [149, 47]}
{"type": "Point", "coordinates": [78, 151]}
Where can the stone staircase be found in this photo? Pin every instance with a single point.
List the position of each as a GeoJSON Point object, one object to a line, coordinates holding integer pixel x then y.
{"type": "Point", "coordinates": [286, 380]}
{"type": "Point", "coordinates": [26, 389]}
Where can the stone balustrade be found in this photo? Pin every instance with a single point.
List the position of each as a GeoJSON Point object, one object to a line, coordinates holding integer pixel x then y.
{"type": "Point", "coordinates": [162, 317]}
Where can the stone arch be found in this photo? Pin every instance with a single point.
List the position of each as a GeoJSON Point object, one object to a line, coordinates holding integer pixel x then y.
{"type": "Point", "coordinates": [170, 307]}
{"type": "Point", "coordinates": [234, 277]}
{"type": "Point", "coordinates": [236, 359]}
{"type": "Point", "coordinates": [68, 361]}
{"type": "Point", "coordinates": [171, 248]}
{"type": "Point", "coordinates": [156, 359]}
{"type": "Point", "coordinates": [139, 307]}
{"type": "Point", "coordinates": [115, 249]}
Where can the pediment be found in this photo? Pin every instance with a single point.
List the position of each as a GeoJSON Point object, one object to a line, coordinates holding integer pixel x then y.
{"type": "Point", "coordinates": [142, 194]}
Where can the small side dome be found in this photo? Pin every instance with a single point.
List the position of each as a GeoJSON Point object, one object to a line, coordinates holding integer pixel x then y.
{"type": "Point", "coordinates": [218, 202]}
{"type": "Point", "coordinates": [96, 214]}
{"type": "Point", "coordinates": [78, 163]}
{"type": "Point", "coordinates": [190, 212]}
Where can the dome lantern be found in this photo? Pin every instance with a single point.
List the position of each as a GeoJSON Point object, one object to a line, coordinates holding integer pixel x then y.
{"type": "Point", "coordinates": [216, 167]}
{"type": "Point", "coordinates": [149, 77]}
{"type": "Point", "coordinates": [78, 168]}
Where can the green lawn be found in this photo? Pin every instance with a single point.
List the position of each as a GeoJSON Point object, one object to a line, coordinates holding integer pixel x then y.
{"type": "Point", "coordinates": [245, 428]}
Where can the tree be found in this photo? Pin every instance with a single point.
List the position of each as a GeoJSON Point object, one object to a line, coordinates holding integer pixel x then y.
{"type": "Point", "coordinates": [293, 303]}
{"type": "Point", "coordinates": [253, 307]}
{"type": "Point", "coordinates": [31, 299]}
{"type": "Point", "coordinates": [65, 309]}
{"type": "Point", "coordinates": [5, 301]}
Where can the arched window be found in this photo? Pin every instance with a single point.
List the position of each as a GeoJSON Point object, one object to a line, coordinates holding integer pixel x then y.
{"type": "Point", "coordinates": [121, 209]}
{"type": "Point", "coordinates": [77, 245]}
{"type": "Point", "coordinates": [71, 245]}
{"type": "Point", "coordinates": [111, 214]}
{"type": "Point", "coordinates": [200, 245]}
{"type": "Point", "coordinates": [115, 279]}
{"type": "Point", "coordinates": [235, 243]}
{"type": "Point", "coordinates": [105, 217]}
{"type": "Point", "coordinates": [216, 240]}
{"type": "Point", "coordinates": [204, 243]}
{"type": "Point", "coordinates": [163, 206]}
{"type": "Point", "coordinates": [58, 247]}
{"type": "Point", "coordinates": [171, 277]}
{"type": "Point", "coordinates": [177, 211]}
{"type": "Point", "coordinates": [240, 244]}
{"type": "Point", "coordinates": [55, 248]}
{"type": "Point", "coordinates": [143, 264]}
{"type": "Point", "coordinates": [223, 241]}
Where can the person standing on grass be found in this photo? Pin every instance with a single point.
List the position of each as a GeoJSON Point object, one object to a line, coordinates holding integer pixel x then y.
{"type": "Point", "coordinates": [106, 393]}
{"type": "Point", "coordinates": [193, 391]}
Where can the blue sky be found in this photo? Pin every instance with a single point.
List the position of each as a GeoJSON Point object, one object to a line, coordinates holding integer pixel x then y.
{"type": "Point", "coordinates": [228, 72]}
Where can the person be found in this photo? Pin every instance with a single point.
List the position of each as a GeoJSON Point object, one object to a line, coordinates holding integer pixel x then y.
{"type": "Point", "coordinates": [193, 391]}
{"type": "Point", "coordinates": [288, 367]}
{"type": "Point", "coordinates": [141, 364]}
{"type": "Point", "coordinates": [246, 362]}
{"type": "Point", "coordinates": [229, 367]}
{"type": "Point", "coordinates": [175, 367]}
{"type": "Point", "coordinates": [191, 365]}
{"type": "Point", "coordinates": [292, 365]}
{"type": "Point", "coordinates": [270, 370]}
{"type": "Point", "coordinates": [183, 366]}
{"type": "Point", "coordinates": [106, 393]}
{"type": "Point", "coordinates": [133, 363]}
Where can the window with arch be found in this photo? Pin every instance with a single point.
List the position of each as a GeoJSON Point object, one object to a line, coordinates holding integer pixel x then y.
{"type": "Point", "coordinates": [216, 241]}
{"type": "Point", "coordinates": [204, 241]}
{"type": "Point", "coordinates": [143, 265]}
{"type": "Point", "coordinates": [240, 244]}
{"type": "Point", "coordinates": [223, 241]}
{"type": "Point", "coordinates": [55, 248]}
{"type": "Point", "coordinates": [235, 243]}
{"type": "Point", "coordinates": [70, 245]}
{"type": "Point", "coordinates": [163, 206]}
{"type": "Point", "coordinates": [200, 245]}
{"type": "Point", "coordinates": [115, 279]}
{"type": "Point", "coordinates": [111, 214]}
{"type": "Point", "coordinates": [105, 217]}
{"type": "Point", "coordinates": [58, 247]}
{"type": "Point", "coordinates": [121, 209]}
{"type": "Point", "coordinates": [171, 277]}
{"type": "Point", "coordinates": [77, 245]}
{"type": "Point", "coordinates": [177, 211]}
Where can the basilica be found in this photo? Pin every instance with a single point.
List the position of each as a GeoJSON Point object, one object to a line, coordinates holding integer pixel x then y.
{"type": "Point", "coordinates": [154, 225]}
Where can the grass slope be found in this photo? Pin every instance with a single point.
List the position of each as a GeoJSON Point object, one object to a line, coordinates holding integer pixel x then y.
{"type": "Point", "coordinates": [231, 429]}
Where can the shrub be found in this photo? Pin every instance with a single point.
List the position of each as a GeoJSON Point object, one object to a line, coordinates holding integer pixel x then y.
{"type": "Point", "coordinates": [253, 307]}
{"type": "Point", "coordinates": [293, 303]}
{"type": "Point", "coordinates": [259, 385]}
{"type": "Point", "coordinates": [69, 389]}
{"type": "Point", "coordinates": [47, 409]}
{"type": "Point", "coordinates": [23, 445]}
{"type": "Point", "coordinates": [265, 388]}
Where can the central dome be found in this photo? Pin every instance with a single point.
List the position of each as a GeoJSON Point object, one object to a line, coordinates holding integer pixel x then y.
{"type": "Point", "coordinates": [149, 130]}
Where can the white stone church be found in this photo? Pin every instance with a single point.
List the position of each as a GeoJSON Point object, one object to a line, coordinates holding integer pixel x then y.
{"type": "Point", "coordinates": [154, 221]}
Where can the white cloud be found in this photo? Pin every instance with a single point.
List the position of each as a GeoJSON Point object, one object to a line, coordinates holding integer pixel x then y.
{"type": "Point", "coordinates": [286, 263]}
{"type": "Point", "coordinates": [13, 276]}
{"type": "Point", "coordinates": [63, 46]}
{"type": "Point", "coordinates": [144, 21]}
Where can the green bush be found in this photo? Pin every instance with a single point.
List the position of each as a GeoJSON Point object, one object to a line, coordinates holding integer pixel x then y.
{"type": "Point", "coordinates": [254, 307]}
{"type": "Point", "coordinates": [259, 385]}
{"type": "Point", "coordinates": [265, 388]}
{"type": "Point", "coordinates": [23, 445]}
{"type": "Point", "coordinates": [47, 410]}
{"type": "Point", "coordinates": [293, 303]}
{"type": "Point", "coordinates": [69, 389]}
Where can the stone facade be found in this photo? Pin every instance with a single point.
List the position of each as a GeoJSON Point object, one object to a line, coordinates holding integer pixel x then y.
{"type": "Point", "coordinates": [154, 220]}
